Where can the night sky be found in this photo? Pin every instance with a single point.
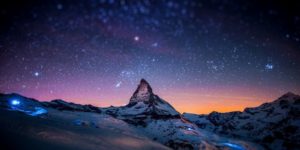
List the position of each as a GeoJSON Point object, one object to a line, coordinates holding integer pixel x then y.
{"type": "Point", "coordinates": [198, 55]}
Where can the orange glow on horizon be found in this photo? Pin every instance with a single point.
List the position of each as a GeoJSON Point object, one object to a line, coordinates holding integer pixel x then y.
{"type": "Point", "coordinates": [190, 100]}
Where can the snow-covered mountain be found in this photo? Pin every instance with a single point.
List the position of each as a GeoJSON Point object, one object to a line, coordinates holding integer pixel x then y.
{"type": "Point", "coordinates": [276, 125]}
{"type": "Point", "coordinates": [157, 118]}
{"type": "Point", "coordinates": [143, 103]}
{"type": "Point", "coordinates": [146, 122]}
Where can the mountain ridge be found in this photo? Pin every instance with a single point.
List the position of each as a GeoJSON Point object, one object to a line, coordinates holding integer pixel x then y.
{"type": "Point", "coordinates": [13, 94]}
{"type": "Point", "coordinates": [273, 124]}
{"type": "Point", "coordinates": [288, 94]}
{"type": "Point", "coordinates": [160, 121]}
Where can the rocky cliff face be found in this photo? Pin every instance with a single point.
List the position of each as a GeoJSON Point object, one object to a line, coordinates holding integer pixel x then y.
{"type": "Point", "coordinates": [143, 93]}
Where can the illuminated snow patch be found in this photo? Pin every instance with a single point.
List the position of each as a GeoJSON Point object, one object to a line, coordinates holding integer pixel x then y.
{"type": "Point", "coordinates": [233, 146]}
{"type": "Point", "coordinates": [37, 111]}
{"type": "Point", "coordinates": [29, 110]}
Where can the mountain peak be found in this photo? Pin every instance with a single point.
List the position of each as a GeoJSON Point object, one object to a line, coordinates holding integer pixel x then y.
{"type": "Point", "coordinates": [288, 96]}
{"type": "Point", "coordinates": [142, 93]}
{"type": "Point", "coordinates": [145, 102]}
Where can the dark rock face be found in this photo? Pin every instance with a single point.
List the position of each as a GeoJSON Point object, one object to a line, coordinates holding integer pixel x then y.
{"type": "Point", "coordinates": [220, 119]}
{"type": "Point", "coordinates": [143, 93]}
{"type": "Point", "coordinates": [275, 125]}
{"type": "Point", "coordinates": [179, 145]}
{"type": "Point", "coordinates": [62, 105]}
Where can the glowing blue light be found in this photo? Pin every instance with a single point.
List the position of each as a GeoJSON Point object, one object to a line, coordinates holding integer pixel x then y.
{"type": "Point", "coordinates": [35, 111]}
{"type": "Point", "coordinates": [234, 146]}
{"type": "Point", "coordinates": [38, 111]}
{"type": "Point", "coordinates": [15, 102]}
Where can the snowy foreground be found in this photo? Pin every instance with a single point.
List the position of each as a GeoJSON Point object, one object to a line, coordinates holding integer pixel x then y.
{"type": "Point", "coordinates": [147, 122]}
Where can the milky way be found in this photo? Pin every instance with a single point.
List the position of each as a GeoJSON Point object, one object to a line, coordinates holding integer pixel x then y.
{"type": "Point", "coordinates": [198, 55]}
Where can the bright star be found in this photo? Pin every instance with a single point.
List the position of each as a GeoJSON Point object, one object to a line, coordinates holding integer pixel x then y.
{"type": "Point", "coordinates": [136, 38]}
{"type": "Point", "coordinates": [36, 74]}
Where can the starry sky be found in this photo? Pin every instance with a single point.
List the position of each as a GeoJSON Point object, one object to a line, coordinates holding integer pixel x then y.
{"type": "Point", "coordinates": [200, 56]}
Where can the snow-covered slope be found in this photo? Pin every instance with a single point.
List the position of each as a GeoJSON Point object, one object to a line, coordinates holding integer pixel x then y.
{"type": "Point", "coordinates": [276, 125]}
{"type": "Point", "coordinates": [64, 129]}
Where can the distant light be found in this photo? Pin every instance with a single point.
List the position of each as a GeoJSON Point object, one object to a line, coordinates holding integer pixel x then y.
{"type": "Point", "coordinates": [15, 102]}
{"type": "Point", "coordinates": [154, 44]}
{"type": "Point", "coordinates": [269, 66]}
{"type": "Point", "coordinates": [136, 38]}
{"type": "Point", "coordinates": [38, 111]}
{"type": "Point", "coordinates": [36, 74]}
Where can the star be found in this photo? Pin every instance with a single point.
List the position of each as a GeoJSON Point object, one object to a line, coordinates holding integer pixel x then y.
{"type": "Point", "coordinates": [36, 74]}
{"type": "Point", "coordinates": [154, 44]}
{"type": "Point", "coordinates": [136, 38]}
{"type": "Point", "coordinates": [59, 6]}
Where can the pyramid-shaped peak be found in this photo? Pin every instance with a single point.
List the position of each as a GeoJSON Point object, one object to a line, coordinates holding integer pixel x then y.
{"type": "Point", "coordinates": [143, 81]}
{"type": "Point", "coordinates": [144, 85]}
{"type": "Point", "coordinates": [142, 93]}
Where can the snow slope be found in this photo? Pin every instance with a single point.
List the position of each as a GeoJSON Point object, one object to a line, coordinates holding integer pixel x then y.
{"type": "Point", "coordinates": [275, 125]}
{"type": "Point", "coordinates": [68, 130]}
